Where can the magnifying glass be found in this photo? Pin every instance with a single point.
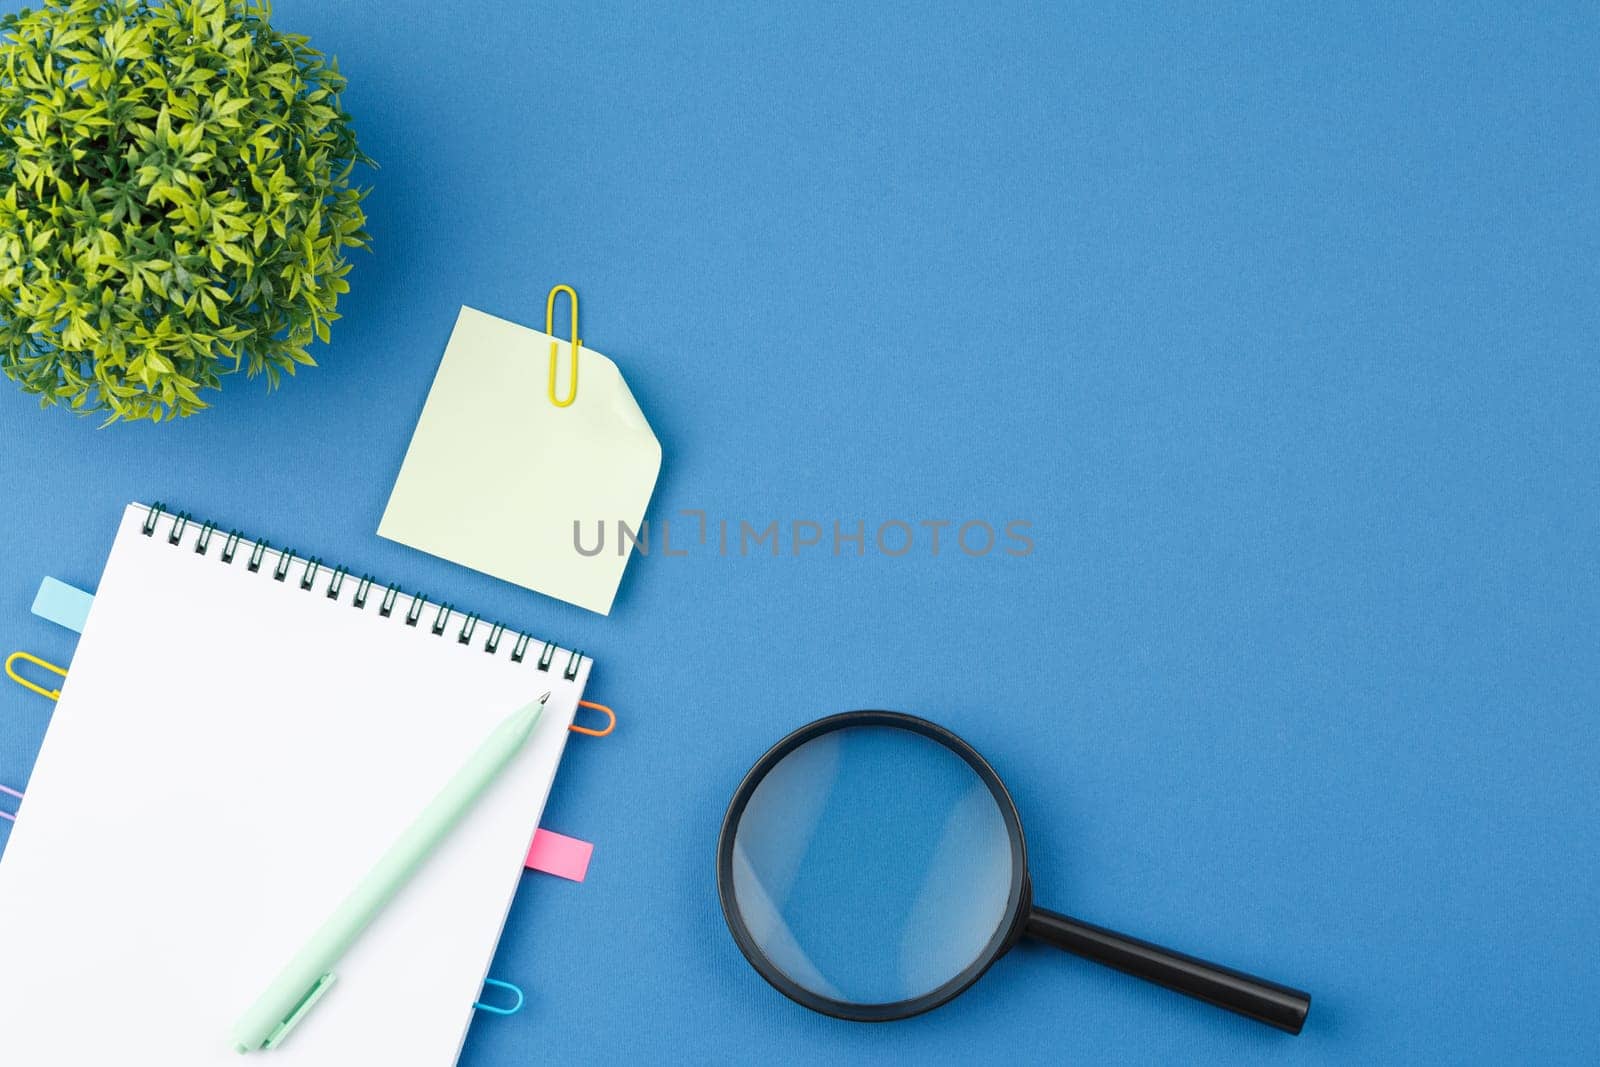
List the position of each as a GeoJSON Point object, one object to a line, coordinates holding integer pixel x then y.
{"type": "Point", "coordinates": [871, 867]}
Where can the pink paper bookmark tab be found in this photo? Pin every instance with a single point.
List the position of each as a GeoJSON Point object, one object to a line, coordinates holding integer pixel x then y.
{"type": "Point", "coordinates": [564, 857]}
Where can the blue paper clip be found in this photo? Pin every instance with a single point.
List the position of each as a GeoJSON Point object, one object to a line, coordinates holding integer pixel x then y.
{"type": "Point", "coordinates": [490, 1008]}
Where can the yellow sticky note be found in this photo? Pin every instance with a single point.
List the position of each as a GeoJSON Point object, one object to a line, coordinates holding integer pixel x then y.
{"type": "Point", "coordinates": [497, 475]}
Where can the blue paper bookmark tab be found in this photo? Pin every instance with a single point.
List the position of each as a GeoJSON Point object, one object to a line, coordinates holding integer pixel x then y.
{"type": "Point", "coordinates": [62, 604]}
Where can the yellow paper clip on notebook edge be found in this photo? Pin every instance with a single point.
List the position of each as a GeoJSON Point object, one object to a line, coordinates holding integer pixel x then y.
{"type": "Point", "coordinates": [28, 657]}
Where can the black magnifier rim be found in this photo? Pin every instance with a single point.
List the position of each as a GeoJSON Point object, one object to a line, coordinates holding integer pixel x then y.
{"type": "Point", "coordinates": [1017, 903]}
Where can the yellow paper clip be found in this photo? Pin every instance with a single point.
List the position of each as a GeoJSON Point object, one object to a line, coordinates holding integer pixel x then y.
{"type": "Point", "coordinates": [550, 328]}
{"type": "Point", "coordinates": [11, 672]}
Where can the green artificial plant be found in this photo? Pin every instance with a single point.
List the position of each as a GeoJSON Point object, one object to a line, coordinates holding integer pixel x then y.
{"type": "Point", "coordinates": [175, 201]}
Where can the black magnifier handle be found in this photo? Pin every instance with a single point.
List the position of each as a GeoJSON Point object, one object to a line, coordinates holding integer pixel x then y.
{"type": "Point", "coordinates": [1257, 998]}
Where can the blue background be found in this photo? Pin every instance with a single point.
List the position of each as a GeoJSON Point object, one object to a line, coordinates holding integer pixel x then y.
{"type": "Point", "coordinates": [1278, 324]}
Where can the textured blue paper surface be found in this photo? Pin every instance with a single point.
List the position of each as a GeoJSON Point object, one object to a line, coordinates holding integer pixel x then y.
{"type": "Point", "coordinates": [1278, 324]}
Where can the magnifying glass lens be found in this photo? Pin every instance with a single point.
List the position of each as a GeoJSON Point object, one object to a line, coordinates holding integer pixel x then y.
{"type": "Point", "coordinates": [872, 865]}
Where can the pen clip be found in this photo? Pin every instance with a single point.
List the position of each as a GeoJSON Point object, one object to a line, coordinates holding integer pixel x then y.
{"type": "Point", "coordinates": [314, 994]}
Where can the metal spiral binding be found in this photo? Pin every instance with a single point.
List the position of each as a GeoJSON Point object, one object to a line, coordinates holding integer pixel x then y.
{"type": "Point", "coordinates": [312, 566]}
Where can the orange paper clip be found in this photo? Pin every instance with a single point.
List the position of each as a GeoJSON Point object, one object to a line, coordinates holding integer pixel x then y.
{"type": "Point", "coordinates": [612, 725]}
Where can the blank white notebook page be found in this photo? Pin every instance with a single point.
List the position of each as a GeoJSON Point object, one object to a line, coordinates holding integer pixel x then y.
{"type": "Point", "coordinates": [230, 755]}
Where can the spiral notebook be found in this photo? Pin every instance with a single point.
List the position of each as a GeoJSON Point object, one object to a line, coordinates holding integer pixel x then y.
{"type": "Point", "coordinates": [243, 731]}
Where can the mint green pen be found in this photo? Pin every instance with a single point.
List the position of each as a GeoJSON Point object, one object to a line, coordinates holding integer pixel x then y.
{"type": "Point", "coordinates": [310, 973]}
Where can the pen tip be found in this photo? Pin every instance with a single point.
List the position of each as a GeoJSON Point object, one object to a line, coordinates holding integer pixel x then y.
{"type": "Point", "coordinates": [544, 698]}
